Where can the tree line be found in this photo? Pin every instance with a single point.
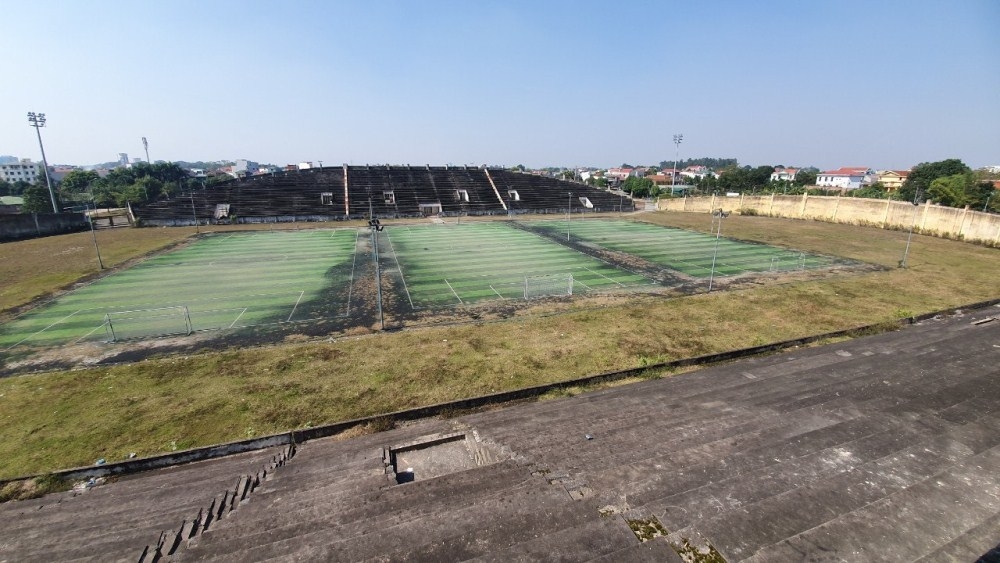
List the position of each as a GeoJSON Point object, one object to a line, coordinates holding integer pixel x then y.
{"type": "Point", "coordinates": [141, 183]}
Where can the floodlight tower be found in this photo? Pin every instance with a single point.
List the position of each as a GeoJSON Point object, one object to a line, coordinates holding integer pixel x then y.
{"type": "Point", "coordinates": [677, 143]}
{"type": "Point", "coordinates": [145, 145]}
{"type": "Point", "coordinates": [38, 121]}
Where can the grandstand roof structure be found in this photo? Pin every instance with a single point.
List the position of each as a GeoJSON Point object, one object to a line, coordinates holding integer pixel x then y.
{"type": "Point", "coordinates": [354, 192]}
{"type": "Point", "coordinates": [883, 448]}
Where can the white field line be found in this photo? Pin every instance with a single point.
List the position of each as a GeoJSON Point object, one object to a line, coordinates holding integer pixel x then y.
{"type": "Point", "coordinates": [238, 317]}
{"type": "Point", "coordinates": [497, 292]}
{"type": "Point", "coordinates": [30, 336]}
{"type": "Point", "coordinates": [301, 293]}
{"type": "Point", "coordinates": [602, 275]}
{"type": "Point", "coordinates": [399, 268]}
{"type": "Point", "coordinates": [453, 291]}
{"type": "Point", "coordinates": [354, 262]}
{"type": "Point", "coordinates": [585, 285]}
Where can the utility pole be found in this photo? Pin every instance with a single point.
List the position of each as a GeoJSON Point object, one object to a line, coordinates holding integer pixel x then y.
{"type": "Point", "coordinates": [569, 205]}
{"type": "Point", "coordinates": [38, 121]}
{"type": "Point", "coordinates": [145, 145]}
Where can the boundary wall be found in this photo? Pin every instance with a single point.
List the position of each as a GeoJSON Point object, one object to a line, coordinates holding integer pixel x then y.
{"type": "Point", "coordinates": [32, 225]}
{"type": "Point", "coordinates": [929, 219]}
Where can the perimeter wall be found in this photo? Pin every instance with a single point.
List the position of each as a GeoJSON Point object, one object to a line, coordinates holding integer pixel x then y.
{"type": "Point", "coordinates": [929, 219]}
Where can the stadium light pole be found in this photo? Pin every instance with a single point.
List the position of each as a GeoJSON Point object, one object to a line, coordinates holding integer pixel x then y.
{"type": "Point", "coordinates": [987, 204]}
{"type": "Point", "coordinates": [145, 145]}
{"type": "Point", "coordinates": [677, 154]}
{"type": "Point", "coordinates": [38, 121]}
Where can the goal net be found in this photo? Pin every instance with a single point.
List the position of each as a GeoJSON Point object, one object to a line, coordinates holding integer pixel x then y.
{"type": "Point", "coordinates": [147, 323]}
{"type": "Point", "coordinates": [549, 285]}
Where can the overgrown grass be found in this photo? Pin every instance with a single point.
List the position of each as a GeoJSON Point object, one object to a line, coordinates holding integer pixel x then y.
{"type": "Point", "coordinates": [62, 419]}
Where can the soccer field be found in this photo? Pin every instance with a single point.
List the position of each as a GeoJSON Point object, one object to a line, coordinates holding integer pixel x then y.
{"type": "Point", "coordinates": [687, 252]}
{"type": "Point", "coordinates": [220, 281]}
{"type": "Point", "coordinates": [443, 265]}
{"type": "Point", "coordinates": [239, 280]}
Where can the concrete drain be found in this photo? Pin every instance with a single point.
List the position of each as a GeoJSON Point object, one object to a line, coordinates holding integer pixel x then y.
{"type": "Point", "coordinates": [438, 454]}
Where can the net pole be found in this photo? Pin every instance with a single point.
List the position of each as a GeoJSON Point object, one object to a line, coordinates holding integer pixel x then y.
{"type": "Point", "coordinates": [187, 320]}
{"type": "Point", "coordinates": [525, 287]}
{"type": "Point", "coordinates": [110, 327]}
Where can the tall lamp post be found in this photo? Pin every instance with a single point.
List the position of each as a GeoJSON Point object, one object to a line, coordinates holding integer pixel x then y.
{"type": "Point", "coordinates": [677, 144]}
{"type": "Point", "coordinates": [38, 121]}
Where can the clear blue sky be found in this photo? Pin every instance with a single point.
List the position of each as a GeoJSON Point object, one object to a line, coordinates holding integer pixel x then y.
{"type": "Point", "coordinates": [886, 84]}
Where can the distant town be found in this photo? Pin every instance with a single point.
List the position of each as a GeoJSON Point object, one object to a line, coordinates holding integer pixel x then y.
{"type": "Point", "coordinates": [118, 182]}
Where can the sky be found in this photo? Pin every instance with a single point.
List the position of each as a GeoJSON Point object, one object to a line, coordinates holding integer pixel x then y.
{"type": "Point", "coordinates": [879, 83]}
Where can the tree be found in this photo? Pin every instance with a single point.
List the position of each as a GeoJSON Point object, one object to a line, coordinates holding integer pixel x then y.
{"type": "Point", "coordinates": [77, 185]}
{"type": "Point", "coordinates": [920, 178]}
{"type": "Point", "coordinates": [36, 199]}
{"type": "Point", "coordinates": [806, 177]}
{"type": "Point", "coordinates": [953, 191]}
{"type": "Point", "coordinates": [638, 187]}
{"type": "Point", "coordinates": [5, 187]}
{"type": "Point", "coordinates": [874, 191]}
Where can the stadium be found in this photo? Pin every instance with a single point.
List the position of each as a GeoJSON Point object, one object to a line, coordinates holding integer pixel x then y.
{"type": "Point", "coordinates": [346, 336]}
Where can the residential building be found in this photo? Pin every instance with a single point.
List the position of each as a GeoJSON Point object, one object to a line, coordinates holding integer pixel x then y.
{"type": "Point", "coordinates": [847, 178]}
{"type": "Point", "coordinates": [782, 174]}
{"type": "Point", "coordinates": [24, 170]}
{"type": "Point", "coordinates": [892, 179]}
{"type": "Point", "coordinates": [619, 174]}
{"type": "Point", "coordinates": [697, 171]}
{"type": "Point", "coordinates": [243, 168]}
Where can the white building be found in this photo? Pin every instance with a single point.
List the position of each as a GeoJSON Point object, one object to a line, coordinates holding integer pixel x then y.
{"type": "Point", "coordinates": [846, 178]}
{"type": "Point", "coordinates": [243, 168]}
{"type": "Point", "coordinates": [25, 171]}
{"type": "Point", "coordinates": [784, 174]}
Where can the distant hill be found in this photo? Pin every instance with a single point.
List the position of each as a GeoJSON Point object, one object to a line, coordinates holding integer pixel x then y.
{"type": "Point", "coordinates": [7, 159]}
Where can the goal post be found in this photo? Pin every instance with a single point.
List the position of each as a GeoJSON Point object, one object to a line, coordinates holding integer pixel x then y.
{"type": "Point", "coordinates": [148, 323]}
{"type": "Point", "coordinates": [548, 285]}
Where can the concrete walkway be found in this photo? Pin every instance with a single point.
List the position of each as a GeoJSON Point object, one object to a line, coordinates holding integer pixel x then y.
{"type": "Point", "coordinates": [885, 448]}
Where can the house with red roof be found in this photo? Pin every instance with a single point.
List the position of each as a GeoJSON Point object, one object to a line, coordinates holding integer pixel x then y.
{"type": "Point", "coordinates": [847, 178]}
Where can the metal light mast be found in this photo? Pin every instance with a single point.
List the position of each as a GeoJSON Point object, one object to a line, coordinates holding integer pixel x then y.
{"type": "Point", "coordinates": [677, 143]}
{"type": "Point", "coordinates": [38, 121]}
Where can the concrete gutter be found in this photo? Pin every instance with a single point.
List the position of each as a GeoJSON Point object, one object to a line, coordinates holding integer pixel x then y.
{"type": "Point", "coordinates": [306, 434]}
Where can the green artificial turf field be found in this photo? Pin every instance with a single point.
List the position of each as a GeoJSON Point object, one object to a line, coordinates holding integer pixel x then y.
{"type": "Point", "coordinates": [220, 281]}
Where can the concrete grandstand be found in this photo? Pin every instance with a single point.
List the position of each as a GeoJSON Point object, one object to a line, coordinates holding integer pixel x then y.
{"type": "Point", "coordinates": [354, 192]}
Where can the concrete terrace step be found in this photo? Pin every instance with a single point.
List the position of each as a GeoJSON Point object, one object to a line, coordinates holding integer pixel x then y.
{"type": "Point", "coordinates": [595, 538]}
{"type": "Point", "coordinates": [386, 507]}
{"type": "Point", "coordinates": [969, 546]}
{"type": "Point", "coordinates": [507, 508]}
{"type": "Point", "coordinates": [856, 494]}
{"type": "Point", "coordinates": [699, 466]}
{"type": "Point", "coordinates": [911, 523]}
{"type": "Point", "coordinates": [833, 468]}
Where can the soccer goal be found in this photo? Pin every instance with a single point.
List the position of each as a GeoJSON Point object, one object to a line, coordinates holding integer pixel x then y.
{"type": "Point", "coordinates": [549, 285]}
{"type": "Point", "coordinates": [148, 323]}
